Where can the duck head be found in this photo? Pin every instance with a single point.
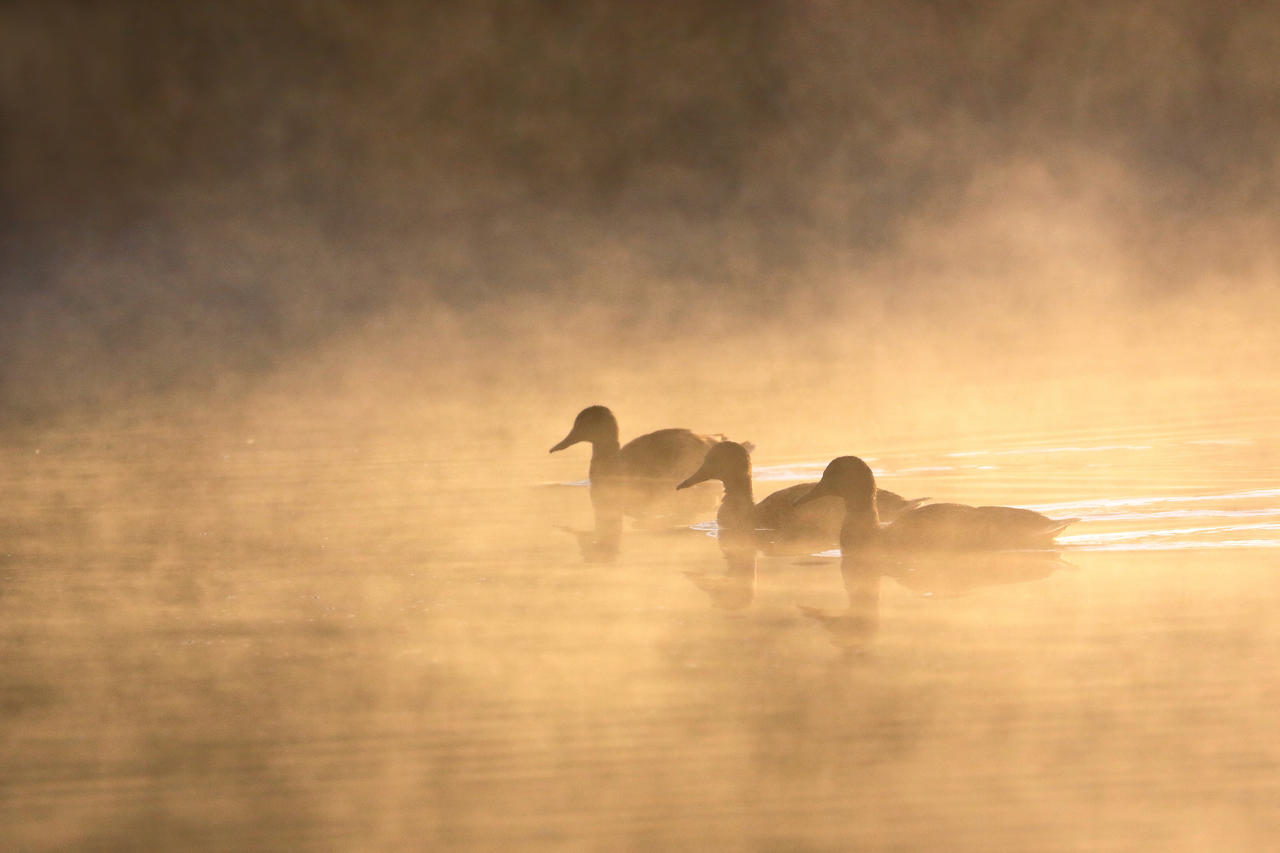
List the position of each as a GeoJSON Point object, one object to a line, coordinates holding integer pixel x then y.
{"type": "Point", "coordinates": [847, 477]}
{"type": "Point", "coordinates": [595, 424]}
{"type": "Point", "coordinates": [727, 462]}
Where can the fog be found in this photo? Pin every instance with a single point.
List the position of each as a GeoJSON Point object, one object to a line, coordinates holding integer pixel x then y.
{"type": "Point", "coordinates": [295, 296]}
{"type": "Point", "coordinates": [205, 198]}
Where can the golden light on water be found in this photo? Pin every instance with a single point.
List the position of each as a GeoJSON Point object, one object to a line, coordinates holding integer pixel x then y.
{"type": "Point", "coordinates": [296, 299]}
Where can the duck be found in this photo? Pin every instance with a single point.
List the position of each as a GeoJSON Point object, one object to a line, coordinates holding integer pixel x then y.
{"type": "Point", "coordinates": [667, 454]}
{"type": "Point", "coordinates": [938, 526]}
{"type": "Point", "coordinates": [779, 513]}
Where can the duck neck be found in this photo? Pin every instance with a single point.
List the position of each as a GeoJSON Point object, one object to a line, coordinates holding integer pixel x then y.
{"type": "Point", "coordinates": [861, 525]}
{"type": "Point", "coordinates": [737, 509]}
{"type": "Point", "coordinates": [604, 457]}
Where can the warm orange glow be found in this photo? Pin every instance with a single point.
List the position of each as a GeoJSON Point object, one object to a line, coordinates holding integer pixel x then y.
{"type": "Point", "coordinates": [295, 298]}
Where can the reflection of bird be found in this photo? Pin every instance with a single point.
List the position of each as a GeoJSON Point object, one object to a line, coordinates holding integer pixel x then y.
{"type": "Point", "coordinates": [736, 587]}
{"type": "Point", "coordinates": [601, 544]}
{"type": "Point", "coordinates": [818, 522]}
{"type": "Point", "coordinates": [854, 628]}
{"type": "Point", "coordinates": [943, 526]}
{"type": "Point", "coordinates": [668, 454]}
{"type": "Point", "coordinates": [949, 575]}
{"type": "Point", "coordinates": [936, 574]}
{"type": "Point", "coordinates": [728, 591]}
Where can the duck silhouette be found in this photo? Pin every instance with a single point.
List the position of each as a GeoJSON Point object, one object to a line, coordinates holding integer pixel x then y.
{"type": "Point", "coordinates": [637, 477]}
{"type": "Point", "coordinates": [778, 519]}
{"type": "Point", "coordinates": [940, 526]}
{"type": "Point", "coordinates": [667, 454]}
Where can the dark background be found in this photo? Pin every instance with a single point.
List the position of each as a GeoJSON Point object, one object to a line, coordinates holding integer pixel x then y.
{"type": "Point", "coordinates": [194, 192]}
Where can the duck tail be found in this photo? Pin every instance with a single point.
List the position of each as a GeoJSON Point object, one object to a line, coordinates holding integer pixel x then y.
{"type": "Point", "coordinates": [1059, 525]}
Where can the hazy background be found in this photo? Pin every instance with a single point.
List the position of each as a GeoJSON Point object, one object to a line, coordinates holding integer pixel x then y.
{"type": "Point", "coordinates": [296, 295]}
{"type": "Point", "coordinates": [571, 202]}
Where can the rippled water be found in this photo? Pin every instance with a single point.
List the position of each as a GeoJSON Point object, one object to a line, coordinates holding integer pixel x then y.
{"type": "Point", "coordinates": [299, 638]}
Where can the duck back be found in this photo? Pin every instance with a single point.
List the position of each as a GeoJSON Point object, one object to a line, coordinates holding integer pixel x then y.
{"type": "Point", "coordinates": [949, 526]}
{"type": "Point", "coordinates": [778, 512]}
{"type": "Point", "coordinates": [673, 453]}
{"type": "Point", "coordinates": [890, 505]}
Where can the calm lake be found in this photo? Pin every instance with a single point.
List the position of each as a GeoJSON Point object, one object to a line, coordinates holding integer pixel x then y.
{"type": "Point", "coordinates": [311, 633]}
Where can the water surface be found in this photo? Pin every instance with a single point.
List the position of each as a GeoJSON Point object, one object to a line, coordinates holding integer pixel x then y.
{"type": "Point", "coordinates": [218, 636]}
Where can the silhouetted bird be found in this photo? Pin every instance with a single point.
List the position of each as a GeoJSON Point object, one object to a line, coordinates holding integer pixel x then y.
{"type": "Point", "coordinates": [638, 477]}
{"type": "Point", "coordinates": [668, 454]}
{"type": "Point", "coordinates": [944, 526]}
{"type": "Point", "coordinates": [777, 516]}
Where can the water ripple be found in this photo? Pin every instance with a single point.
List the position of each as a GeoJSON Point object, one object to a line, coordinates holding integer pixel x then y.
{"type": "Point", "coordinates": [1172, 538]}
{"type": "Point", "coordinates": [1082, 507]}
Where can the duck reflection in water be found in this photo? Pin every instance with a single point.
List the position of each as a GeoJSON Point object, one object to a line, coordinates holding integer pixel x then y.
{"type": "Point", "coordinates": [930, 574]}
{"type": "Point", "coordinates": [602, 543]}
{"type": "Point", "coordinates": [778, 524]}
{"type": "Point", "coordinates": [853, 629]}
{"type": "Point", "coordinates": [735, 588]}
{"type": "Point", "coordinates": [636, 478]}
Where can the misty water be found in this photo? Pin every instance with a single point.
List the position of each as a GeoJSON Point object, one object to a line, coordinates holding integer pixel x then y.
{"type": "Point", "coordinates": [295, 297]}
{"type": "Point", "coordinates": [376, 632]}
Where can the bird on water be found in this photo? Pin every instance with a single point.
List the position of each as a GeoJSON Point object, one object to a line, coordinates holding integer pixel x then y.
{"type": "Point", "coordinates": [939, 526]}
{"type": "Point", "coordinates": [778, 516]}
{"type": "Point", "coordinates": [667, 454]}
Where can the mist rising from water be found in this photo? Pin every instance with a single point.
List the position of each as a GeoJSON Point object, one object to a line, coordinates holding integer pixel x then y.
{"type": "Point", "coordinates": [204, 199]}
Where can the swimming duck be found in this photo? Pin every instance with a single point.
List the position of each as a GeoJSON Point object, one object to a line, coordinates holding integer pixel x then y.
{"type": "Point", "coordinates": [668, 454]}
{"type": "Point", "coordinates": [942, 526]}
{"type": "Point", "coordinates": [730, 463]}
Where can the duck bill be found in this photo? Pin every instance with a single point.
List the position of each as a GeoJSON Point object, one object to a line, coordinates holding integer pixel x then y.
{"type": "Point", "coordinates": [699, 476]}
{"type": "Point", "coordinates": [569, 440]}
{"type": "Point", "coordinates": [821, 490]}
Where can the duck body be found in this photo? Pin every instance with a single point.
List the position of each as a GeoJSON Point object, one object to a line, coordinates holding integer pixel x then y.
{"type": "Point", "coordinates": [777, 518]}
{"type": "Point", "coordinates": [778, 511]}
{"type": "Point", "coordinates": [958, 527]}
{"type": "Point", "coordinates": [637, 477]}
{"type": "Point", "coordinates": [667, 454]}
{"type": "Point", "coordinates": [730, 463]}
{"type": "Point", "coordinates": [940, 526]}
